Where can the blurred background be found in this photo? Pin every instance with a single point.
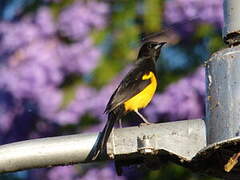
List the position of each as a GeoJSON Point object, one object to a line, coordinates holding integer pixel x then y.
{"type": "Point", "coordinates": [60, 61]}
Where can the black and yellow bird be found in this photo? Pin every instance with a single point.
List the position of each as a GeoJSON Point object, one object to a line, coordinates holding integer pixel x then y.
{"type": "Point", "coordinates": [133, 93]}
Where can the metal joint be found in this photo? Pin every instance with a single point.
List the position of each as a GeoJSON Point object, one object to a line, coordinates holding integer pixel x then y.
{"type": "Point", "coordinates": [146, 144]}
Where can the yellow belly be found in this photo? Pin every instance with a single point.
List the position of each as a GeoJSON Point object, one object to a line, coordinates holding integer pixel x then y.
{"type": "Point", "coordinates": [143, 98]}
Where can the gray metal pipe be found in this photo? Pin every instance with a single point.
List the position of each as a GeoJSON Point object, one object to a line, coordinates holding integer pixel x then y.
{"type": "Point", "coordinates": [183, 139]}
{"type": "Point", "coordinates": [231, 29]}
{"type": "Point", "coordinates": [46, 152]}
{"type": "Point", "coordinates": [223, 95]}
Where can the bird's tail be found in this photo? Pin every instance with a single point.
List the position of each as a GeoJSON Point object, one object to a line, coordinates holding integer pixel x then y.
{"type": "Point", "coordinates": [113, 116]}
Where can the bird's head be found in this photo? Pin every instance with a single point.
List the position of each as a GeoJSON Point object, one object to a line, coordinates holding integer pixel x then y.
{"type": "Point", "coordinates": [151, 49]}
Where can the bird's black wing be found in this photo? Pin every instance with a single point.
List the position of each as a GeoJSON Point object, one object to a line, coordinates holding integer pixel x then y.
{"type": "Point", "coordinates": [130, 86]}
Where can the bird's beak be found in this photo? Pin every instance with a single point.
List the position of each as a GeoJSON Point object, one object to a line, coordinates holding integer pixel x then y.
{"type": "Point", "coordinates": [160, 45]}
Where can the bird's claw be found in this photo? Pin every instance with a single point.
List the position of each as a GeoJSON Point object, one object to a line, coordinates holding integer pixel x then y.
{"type": "Point", "coordinates": [145, 124]}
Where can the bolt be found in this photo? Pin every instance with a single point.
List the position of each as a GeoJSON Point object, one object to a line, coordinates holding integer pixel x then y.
{"type": "Point", "coordinates": [144, 145]}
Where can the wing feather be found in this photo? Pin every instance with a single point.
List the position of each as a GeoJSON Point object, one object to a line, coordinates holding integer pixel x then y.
{"type": "Point", "coordinates": [130, 86]}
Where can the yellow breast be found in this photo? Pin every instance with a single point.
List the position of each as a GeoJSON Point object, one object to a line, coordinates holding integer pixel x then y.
{"type": "Point", "coordinates": [143, 98]}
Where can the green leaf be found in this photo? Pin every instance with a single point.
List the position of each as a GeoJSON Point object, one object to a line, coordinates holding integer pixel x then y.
{"type": "Point", "coordinates": [152, 15]}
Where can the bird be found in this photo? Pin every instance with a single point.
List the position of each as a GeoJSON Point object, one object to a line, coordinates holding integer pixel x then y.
{"type": "Point", "coordinates": [134, 92]}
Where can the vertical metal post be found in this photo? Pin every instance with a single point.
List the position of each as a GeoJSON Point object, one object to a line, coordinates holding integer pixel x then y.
{"type": "Point", "coordinates": [223, 81]}
{"type": "Point", "coordinates": [231, 29]}
{"type": "Point", "coordinates": [223, 95]}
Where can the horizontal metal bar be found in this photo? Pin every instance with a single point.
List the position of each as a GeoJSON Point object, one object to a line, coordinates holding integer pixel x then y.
{"type": "Point", "coordinates": [182, 138]}
{"type": "Point", "coordinates": [46, 152]}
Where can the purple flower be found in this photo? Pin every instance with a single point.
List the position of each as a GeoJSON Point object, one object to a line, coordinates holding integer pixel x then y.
{"type": "Point", "coordinates": [16, 35]}
{"type": "Point", "coordinates": [44, 21]}
{"type": "Point", "coordinates": [77, 108]}
{"type": "Point", "coordinates": [36, 63]}
{"type": "Point", "coordinates": [99, 10]}
{"type": "Point", "coordinates": [71, 173]}
{"type": "Point", "coordinates": [106, 173]}
{"type": "Point", "coordinates": [29, 75]}
{"type": "Point", "coordinates": [65, 117]}
{"type": "Point", "coordinates": [27, 71]}
{"type": "Point", "coordinates": [185, 14]}
{"type": "Point", "coordinates": [62, 172]}
{"type": "Point", "coordinates": [77, 20]}
{"type": "Point", "coordinates": [49, 100]}
{"type": "Point", "coordinates": [81, 57]}
{"type": "Point", "coordinates": [6, 120]}
{"type": "Point", "coordinates": [8, 109]}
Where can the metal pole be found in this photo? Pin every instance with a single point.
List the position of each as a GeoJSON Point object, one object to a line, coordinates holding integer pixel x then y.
{"type": "Point", "coordinates": [46, 152]}
{"type": "Point", "coordinates": [183, 139]}
{"type": "Point", "coordinates": [223, 81]}
{"type": "Point", "coordinates": [231, 29]}
{"type": "Point", "coordinates": [223, 95]}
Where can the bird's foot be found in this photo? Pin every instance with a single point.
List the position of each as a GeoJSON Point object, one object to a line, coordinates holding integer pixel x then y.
{"type": "Point", "coordinates": [145, 124]}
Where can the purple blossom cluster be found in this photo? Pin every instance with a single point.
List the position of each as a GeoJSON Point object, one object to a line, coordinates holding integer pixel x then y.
{"type": "Point", "coordinates": [76, 22]}
{"type": "Point", "coordinates": [71, 173]}
{"type": "Point", "coordinates": [106, 173]}
{"type": "Point", "coordinates": [25, 75]}
{"type": "Point", "coordinates": [185, 14]}
{"type": "Point", "coordinates": [44, 22]}
{"type": "Point", "coordinates": [34, 79]}
{"type": "Point", "coordinates": [63, 173]}
{"type": "Point", "coordinates": [79, 18]}
{"type": "Point", "coordinates": [34, 62]}
{"type": "Point", "coordinates": [8, 109]}
{"type": "Point", "coordinates": [81, 104]}
{"type": "Point", "coordinates": [81, 57]}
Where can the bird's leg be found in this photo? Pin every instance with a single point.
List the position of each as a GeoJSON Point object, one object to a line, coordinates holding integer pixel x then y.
{"type": "Point", "coordinates": [120, 122]}
{"type": "Point", "coordinates": [141, 116]}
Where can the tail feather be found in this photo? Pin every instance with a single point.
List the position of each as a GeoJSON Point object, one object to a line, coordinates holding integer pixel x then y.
{"type": "Point", "coordinates": [104, 135]}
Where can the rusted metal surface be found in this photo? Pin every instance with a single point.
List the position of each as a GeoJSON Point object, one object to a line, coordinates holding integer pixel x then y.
{"type": "Point", "coordinates": [223, 95]}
